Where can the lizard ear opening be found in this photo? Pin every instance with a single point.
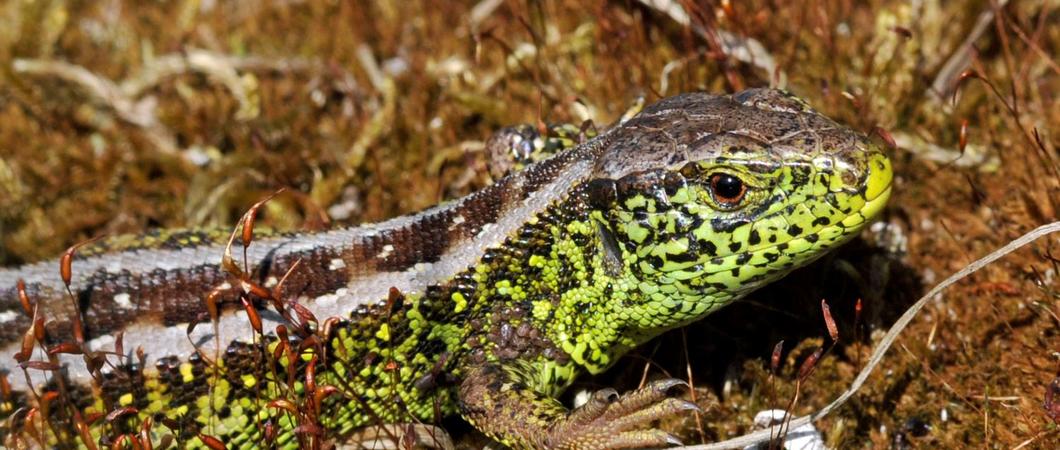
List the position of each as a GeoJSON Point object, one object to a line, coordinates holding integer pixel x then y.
{"type": "Point", "coordinates": [601, 193]}
{"type": "Point", "coordinates": [611, 251]}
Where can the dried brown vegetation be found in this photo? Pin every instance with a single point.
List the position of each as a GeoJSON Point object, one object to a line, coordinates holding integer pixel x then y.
{"type": "Point", "coordinates": [118, 116]}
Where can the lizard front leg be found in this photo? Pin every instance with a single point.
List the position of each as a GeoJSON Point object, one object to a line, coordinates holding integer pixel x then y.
{"type": "Point", "coordinates": [498, 402]}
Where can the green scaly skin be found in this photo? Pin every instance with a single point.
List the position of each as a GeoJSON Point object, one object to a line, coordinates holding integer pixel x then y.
{"type": "Point", "coordinates": [641, 246]}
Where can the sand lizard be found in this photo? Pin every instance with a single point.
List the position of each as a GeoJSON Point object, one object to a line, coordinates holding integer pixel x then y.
{"type": "Point", "coordinates": [506, 295]}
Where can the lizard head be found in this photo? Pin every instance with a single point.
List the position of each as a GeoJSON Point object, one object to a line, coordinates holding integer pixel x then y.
{"type": "Point", "coordinates": [704, 198]}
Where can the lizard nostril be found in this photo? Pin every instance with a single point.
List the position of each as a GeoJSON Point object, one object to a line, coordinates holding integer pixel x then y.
{"type": "Point", "coordinates": [848, 177]}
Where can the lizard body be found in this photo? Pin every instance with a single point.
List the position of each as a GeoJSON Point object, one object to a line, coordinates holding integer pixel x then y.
{"type": "Point", "coordinates": [502, 298]}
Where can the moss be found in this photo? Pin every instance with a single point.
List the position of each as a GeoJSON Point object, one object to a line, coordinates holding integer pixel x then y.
{"type": "Point", "coordinates": [352, 120]}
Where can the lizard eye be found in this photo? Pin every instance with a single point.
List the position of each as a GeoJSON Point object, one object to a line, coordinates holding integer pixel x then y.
{"type": "Point", "coordinates": [727, 189]}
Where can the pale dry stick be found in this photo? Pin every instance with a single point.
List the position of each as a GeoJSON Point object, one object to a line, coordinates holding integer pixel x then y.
{"type": "Point", "coordinates": [480, 12]}
{"type": "Point", "coordinates": [219, 67]}
{"type": "Point", "coordinates": [140, 113]}
{"type": "Point", "coordinates": [992, 398]}
{"type": "Point", "coordinates": [741, 48]}
{"type": "Point", "coordinates": [975, 156]}
{"type": "Point", "coordinates": [97, 87]}
{"type": "Point", "coordinates": [1035, 438]}
{"type": "Point", "coordinates": [885, 344]}
{"type": "Point", "coordinates": [379, 123]}
{"type": "Point", "coordinates": [946, 79]}
{"type": "Point", "coordinates": [124, 98]}
{"type": "Point", "coordinates": [212, 64]}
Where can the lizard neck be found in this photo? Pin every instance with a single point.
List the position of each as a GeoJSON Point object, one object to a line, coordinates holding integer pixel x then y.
{"type": "Point", "coordinates": [562, 296]}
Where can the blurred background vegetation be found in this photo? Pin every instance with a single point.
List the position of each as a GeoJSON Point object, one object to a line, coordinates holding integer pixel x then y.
{"type": "Point", "coordinates": [118, 116]}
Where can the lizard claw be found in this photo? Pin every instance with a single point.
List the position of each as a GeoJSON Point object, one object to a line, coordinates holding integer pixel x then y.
{"type": "Point", "coordinates": [613, 421]}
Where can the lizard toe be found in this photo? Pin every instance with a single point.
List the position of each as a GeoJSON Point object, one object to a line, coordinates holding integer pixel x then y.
{"type": "Point", "coordinates": [612, 421]}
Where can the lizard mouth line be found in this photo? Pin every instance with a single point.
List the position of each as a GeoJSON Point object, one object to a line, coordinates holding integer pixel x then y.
{"type": "Point", "coordinates": [875, 204]}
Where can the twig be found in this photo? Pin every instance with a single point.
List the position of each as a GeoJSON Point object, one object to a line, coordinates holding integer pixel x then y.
{"type": "Point", "coordinates": [127, 101]}
{"type": "Point", "coordinates": [105, 92]}
{"type": "Point", "coordinates": [740, 48]}
{"type": "Point", "coordinates": [946, 79]}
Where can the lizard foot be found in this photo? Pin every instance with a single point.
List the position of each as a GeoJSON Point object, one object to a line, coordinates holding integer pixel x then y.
{"type": "Point", "coordinates": [610, 421]}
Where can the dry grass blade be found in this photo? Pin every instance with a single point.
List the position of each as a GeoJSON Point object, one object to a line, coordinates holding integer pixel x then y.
{"type": "Point", "coordinates": [741, 48]}
{"type": "Point", "coordinates": [125, 116]}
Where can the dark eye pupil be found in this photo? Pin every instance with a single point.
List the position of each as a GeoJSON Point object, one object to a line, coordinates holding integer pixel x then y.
{"type": "Point", "coordinates": [727, 188]}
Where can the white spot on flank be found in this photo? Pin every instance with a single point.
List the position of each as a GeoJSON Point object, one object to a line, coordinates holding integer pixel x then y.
{"type": "Point", "coordinates": [485, 231]}
{"type": "Point", "coordinates": [330, 300]}
{"type": "Point", "coordinates": [225, 286]}
{"type": "Point", "coordinates": [102, 343]}
{"type": "Point", "coordinates": [113, 267]}
{"type": "Point", "coordinates": [387, 250]}
{"type": "Point", "coordinates": [8, 316]}
{"type": "Point", "coordinates": [337, 264]}
{"type": "Point", "coordinates": [456, 222]}
{"type": "Point", "coordinates": [271, 282]}
{"type": "Point", "coordinates": [123, 300]}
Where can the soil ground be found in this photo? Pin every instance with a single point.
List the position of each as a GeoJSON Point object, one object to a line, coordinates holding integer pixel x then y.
{"type": "Point", "coordinates": [118, 116]}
